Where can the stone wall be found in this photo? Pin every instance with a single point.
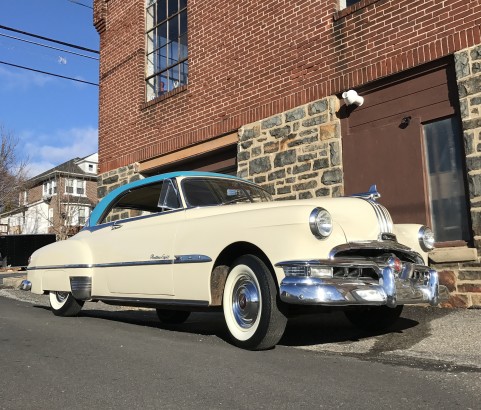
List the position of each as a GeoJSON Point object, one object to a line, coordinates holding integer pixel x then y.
{"type": "Point", "coordinates": [464, 278]}
{"type": "Point", "coordinates": [108, 181]}
{"type": "Point", "coordinates": [468, 72]}
{"type": "Point", "coordinates": [295, 154]}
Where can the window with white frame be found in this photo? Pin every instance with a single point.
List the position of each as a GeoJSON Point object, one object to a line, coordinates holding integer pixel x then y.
{"type": "Point", "coordinates": [166, 54]}
{"type": "Point", "coordinates": [75, 186]}
{"type": "Point", "coordinates": [50, 216]}
{"type": "Point", "coordinates": [82, 215]}
{"type": "Point", "coordinates": [50, 187]}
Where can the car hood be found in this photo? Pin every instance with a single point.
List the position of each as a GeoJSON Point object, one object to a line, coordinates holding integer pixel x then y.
{"type": "Point", "coordinates": [359, 219]}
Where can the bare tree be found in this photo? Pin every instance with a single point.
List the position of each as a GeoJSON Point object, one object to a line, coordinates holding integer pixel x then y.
{"type": "Point", "coordinates": [12, 170]}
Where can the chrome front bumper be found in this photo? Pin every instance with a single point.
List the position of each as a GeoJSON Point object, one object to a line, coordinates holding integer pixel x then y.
{"type": "Point", "coordinates": [414, 284]}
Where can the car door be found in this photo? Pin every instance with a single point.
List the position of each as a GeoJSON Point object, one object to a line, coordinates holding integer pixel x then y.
{"type": "Point", "coordinates": [133, 255]}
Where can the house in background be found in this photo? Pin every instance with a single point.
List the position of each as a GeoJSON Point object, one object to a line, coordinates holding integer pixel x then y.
{"type": "Point", "coordinates": [57, 201]}
{"type": "Point", "coordinates": [256, 89]}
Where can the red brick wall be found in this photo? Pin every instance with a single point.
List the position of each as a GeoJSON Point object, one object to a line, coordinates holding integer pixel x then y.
{"type": "Point", "coordinates": [250, 60]}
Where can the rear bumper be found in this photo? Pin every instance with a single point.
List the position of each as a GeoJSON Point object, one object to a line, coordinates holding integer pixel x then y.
{"type": "Point", "coordinates": [414, 284]}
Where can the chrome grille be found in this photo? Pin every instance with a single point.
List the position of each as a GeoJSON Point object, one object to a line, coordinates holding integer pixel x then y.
{"type": "Point", "coordinates": [383, 217]}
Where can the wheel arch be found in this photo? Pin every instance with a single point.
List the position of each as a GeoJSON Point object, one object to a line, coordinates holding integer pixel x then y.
{"type": "Point", "coordinates": [223, 263]}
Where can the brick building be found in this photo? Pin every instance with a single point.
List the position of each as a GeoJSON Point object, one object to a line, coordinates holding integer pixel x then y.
{"type": "Point", "coordinates": [256, 88]}
{"type": "Point", "coordinates": [57, 201]}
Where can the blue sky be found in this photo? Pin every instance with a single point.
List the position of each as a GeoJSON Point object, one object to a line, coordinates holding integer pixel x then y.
{"type": "Point", "coordinates": [54, 119]}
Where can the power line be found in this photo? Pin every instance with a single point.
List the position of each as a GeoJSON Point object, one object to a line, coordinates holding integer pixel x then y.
{"type": "Point", "coordinates": [45, 45]}
{"type": "Point", "coordinates": [80, 4]}
{"type": "Point", "coordinates": [47, 73]}
{"type": "Point", "coordinates": [49, 39]}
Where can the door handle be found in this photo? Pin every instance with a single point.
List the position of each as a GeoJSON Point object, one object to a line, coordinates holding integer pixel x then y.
{"type": "Point", "coordinates": [116, 226]}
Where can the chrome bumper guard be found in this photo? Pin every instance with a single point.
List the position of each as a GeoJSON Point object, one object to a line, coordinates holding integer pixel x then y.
{"type": "Point", "coordinates": [414, 284]}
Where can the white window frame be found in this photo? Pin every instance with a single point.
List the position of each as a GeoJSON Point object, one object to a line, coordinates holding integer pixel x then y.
{"type": "Point", "coordinates": [50, 216]}
{"type": "Point", "coordinates": [342, 4]}
{"type": "Point", "coordinates": [167, 61]}
{"type": "Point", "coordinates": [50, 187]}
{"type": "Point", "coordinates": [76, 185]}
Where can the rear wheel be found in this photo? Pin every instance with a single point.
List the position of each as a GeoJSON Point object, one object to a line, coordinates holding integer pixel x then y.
{"type": "Point", "coordinates": [172, 317]}
{"type": "Point", "coordinates": [251, 306]}
{"type": "Point", "coordinates": [64, 304]}
{"type": "Point", "coordinates": [374, 318]}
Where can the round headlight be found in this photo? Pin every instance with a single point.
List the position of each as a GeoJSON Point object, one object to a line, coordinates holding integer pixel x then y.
{"type": "Point", "coordinates": [320, 222]}
{"type": "Point", "coordinates": [426, 239]}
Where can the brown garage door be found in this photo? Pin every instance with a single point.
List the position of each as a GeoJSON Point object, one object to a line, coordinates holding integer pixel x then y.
{"type": "Point", "coordinates": [406, 139]}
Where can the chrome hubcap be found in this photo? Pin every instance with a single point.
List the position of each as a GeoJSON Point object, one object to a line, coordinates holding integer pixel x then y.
{"type": "Point", "coordinates": [245, 302]}
{"type": "Point", "coordinates": [61, 296]}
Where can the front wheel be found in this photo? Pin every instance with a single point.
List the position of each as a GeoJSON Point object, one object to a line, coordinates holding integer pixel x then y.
{"type": "Point", "coordinates": [64, 304]}
{"type": "Point", "coordinates": [374, 318]}
{"type": "Point", "coordinates": [251, 305]}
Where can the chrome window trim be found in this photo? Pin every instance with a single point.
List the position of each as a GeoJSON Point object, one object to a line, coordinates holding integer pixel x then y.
{"type": "Point", "coordinates": [131, 219]}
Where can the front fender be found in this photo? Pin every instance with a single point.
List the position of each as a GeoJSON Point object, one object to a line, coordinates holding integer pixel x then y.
{"type": "Point", "coordinates": [407, 234]}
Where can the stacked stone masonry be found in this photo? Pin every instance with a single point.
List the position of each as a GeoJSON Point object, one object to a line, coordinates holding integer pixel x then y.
{"type": "Point", "coordinates": [464, 279]}
{"type": "Point", "coordinates": [108, 181]}
{"type": "Point", "coordinates": [295, 154]}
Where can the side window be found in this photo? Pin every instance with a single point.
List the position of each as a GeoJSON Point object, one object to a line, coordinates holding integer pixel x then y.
{"type": "Point", "coordinates": [169, 198]}
{"type": "Point", "coordinates": [146, 200]}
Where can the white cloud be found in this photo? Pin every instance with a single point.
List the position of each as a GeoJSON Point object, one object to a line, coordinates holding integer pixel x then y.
{"type": "Point", "coordinates": [48, 151]}
{"type": "Point", "coordinates": [20, 79]}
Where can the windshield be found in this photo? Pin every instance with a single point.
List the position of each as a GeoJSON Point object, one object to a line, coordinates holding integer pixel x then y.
{"type": "Point", "coordinates": [213, 191]}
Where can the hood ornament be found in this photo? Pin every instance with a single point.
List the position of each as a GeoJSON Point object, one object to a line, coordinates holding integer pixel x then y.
{"type": "Point", "coordinates": [372, 194]}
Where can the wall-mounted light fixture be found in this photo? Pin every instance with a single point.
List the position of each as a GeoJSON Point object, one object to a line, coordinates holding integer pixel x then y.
{"type": "Point", "coordinates": [352, 97]}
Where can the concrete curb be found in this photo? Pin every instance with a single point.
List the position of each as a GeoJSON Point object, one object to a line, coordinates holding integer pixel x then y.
{"type": "Point", "coordinates": [12, 282]}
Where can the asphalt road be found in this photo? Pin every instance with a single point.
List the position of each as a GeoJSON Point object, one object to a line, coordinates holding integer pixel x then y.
{"type": "Point", "coordinates": [124, 359]}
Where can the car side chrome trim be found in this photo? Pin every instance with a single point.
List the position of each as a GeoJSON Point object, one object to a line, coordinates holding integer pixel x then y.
{"type": "Point", "coordinates": [150, 302]}
{"type": "Point", "coordinates": [76, 266]}
{"type": "Point", "coordinates": [194, 258]}
{"type": "Point", "coordinates": [191, 259]}
{"type": "Point", "coordinates": [135, 263]}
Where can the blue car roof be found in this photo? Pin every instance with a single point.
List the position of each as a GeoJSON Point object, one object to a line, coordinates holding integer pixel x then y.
{"type": "Point", "coordinates": [99, 210]}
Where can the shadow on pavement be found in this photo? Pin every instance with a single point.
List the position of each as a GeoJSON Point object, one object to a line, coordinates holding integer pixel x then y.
{"type": "Point", "coordinates": [306, 330]}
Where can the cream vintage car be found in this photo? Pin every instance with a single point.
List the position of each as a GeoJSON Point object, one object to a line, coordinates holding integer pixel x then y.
{"type": "Point", "coordinates": [188, 241]}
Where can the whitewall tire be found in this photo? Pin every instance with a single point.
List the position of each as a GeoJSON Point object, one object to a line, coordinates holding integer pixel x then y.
{"type": "Point", "coordinates": [64, 304]}
{"type": "Point", "coordinates": [251, 305]}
